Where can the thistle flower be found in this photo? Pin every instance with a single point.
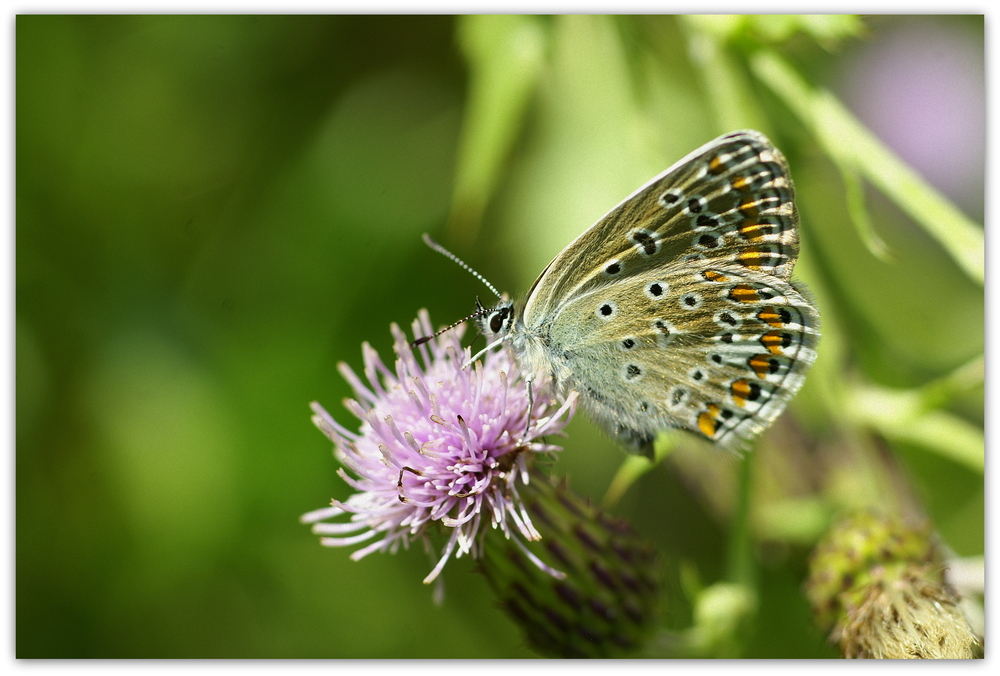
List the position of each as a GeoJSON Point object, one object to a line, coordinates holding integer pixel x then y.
{"type": "Point", "coordinates": [878, 585]}
{"type": "Point", "coordinates": [441, 446]}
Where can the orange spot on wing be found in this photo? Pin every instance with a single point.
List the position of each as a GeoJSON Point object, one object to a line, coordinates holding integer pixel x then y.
{"type": "Point", "coordinates": [753, 258]}
{"type": "Point", "coordinates": [744, 293]}
{"type": "Point", "coordinates": [740, 390]}
{"type": "Point", "coordinates": [769, 315]}
{"type": "Point", "coordinates": [761, 365]}
{"type": "Point", "coordinates": [749, 206]}
{"type": "Point", "coordinates": [708, 421]}
{"type": "Point", "coordinates": [775, 341]}
{"type": "Point", "coordinates": [744, 391]}
{"type": "Point", "coordinates": [741, 183]}
{"type": "Point", "coordinates": [753, 230]}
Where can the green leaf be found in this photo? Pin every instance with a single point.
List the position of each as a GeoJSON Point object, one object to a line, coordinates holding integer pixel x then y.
{"type": "Point", "coordinates": [901, 415]}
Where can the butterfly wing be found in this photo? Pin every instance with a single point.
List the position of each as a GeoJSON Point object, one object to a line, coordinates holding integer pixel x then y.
{"type": "Point", "coordinates": [711, 349]}
{"type": "Point", "coordinates": [729, 202]}
{"type": "Point", "coordinates": [676, 309]}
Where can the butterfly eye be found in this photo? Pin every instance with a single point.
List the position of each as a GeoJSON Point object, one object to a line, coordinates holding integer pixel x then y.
{"type": "Point", "coordinates": [497, 320]}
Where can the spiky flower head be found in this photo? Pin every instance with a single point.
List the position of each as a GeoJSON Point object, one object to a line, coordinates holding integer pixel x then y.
{"type": "Point", "coordinates": [442, 446]}
{"type": "Point", "coordinates": [878, 585]}
{"type": "Point", "coordinates": [607, 604]}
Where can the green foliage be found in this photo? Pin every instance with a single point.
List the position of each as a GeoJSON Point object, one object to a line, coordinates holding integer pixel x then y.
{"type": "Point", "coordinates": [212, 211]}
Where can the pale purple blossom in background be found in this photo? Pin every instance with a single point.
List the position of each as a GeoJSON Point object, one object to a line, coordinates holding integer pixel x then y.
{"type": "Point", "coordinates": [921, 88]}
{"type": "Point", "coordinates": [441, 443]}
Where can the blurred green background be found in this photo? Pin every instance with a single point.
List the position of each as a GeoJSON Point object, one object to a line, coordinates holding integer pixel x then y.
{"type": "Point", "coordinates": [212, 211]}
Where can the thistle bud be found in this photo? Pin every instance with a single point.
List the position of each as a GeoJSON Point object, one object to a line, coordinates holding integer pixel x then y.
{"type": "Point", "coordinates": [600, 597]}
{"type": "Point", "coordinates": [877, 585]}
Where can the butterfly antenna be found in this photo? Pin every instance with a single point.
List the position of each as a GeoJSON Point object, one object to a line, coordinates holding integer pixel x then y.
{"type": "Point", "coordinates": [441, 250]}
{"type": "Point", "coordinates": [480, 311]}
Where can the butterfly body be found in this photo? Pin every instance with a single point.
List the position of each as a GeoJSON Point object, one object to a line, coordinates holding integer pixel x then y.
{"type": "Point", "coordinates": [676, 309]}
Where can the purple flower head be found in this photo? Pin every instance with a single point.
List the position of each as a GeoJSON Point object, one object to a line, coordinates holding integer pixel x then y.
{"type": "Point", "coordinates": [438, 443]}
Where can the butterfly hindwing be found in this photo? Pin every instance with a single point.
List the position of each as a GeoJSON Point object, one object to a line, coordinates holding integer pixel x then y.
{"type": "Point", "coordinates": [715, 350]}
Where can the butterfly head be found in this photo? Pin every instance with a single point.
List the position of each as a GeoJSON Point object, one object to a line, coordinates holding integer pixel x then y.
{"type": "Point", "coordinates": [495, 323]}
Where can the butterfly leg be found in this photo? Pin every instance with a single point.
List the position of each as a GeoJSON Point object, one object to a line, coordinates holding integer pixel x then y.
{"type": "Point", "coordinates": [531, 407]}
{"type": "Point", "coordinates": [399, 483]}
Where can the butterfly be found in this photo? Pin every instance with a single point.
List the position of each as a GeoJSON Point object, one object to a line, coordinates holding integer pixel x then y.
{"type": "Point", "coordinates": [677, 309]}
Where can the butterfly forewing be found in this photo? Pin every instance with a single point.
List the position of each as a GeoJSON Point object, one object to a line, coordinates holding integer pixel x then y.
{"type": "Point", "coordinates": [730, 201]}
